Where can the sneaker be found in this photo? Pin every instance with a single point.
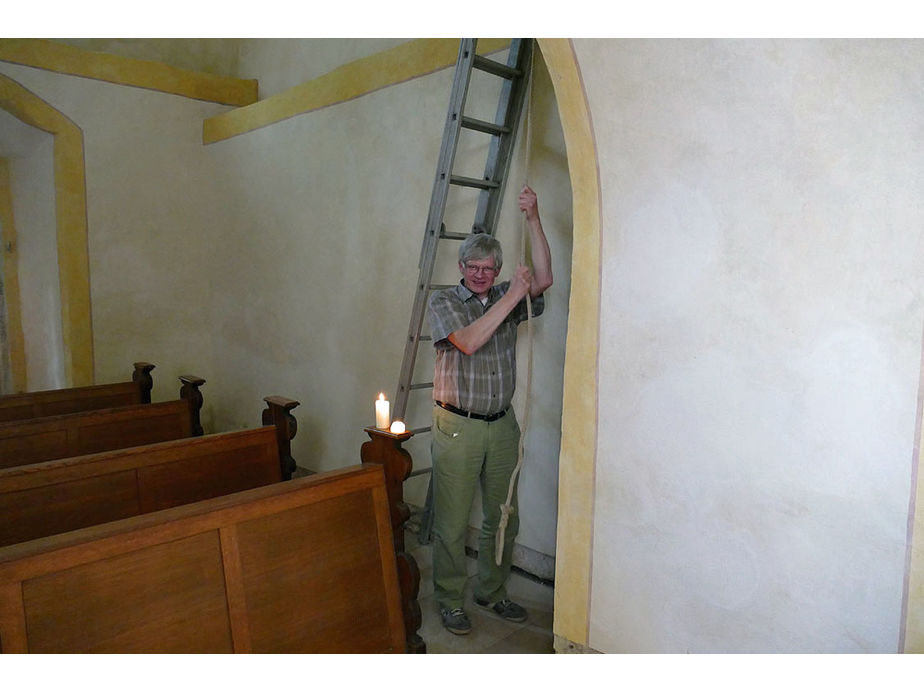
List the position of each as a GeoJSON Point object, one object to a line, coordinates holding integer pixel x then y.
{"type": "Point", "coordinates": [506, 609]}
{"type": "Point", "coordinates": [455, 621]}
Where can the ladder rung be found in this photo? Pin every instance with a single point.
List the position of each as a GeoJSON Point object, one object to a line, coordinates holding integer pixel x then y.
{"type": "Point", "coordinates": [474, 182]}
{"type": "Point", "coordinates": [418, 472]}
{"type": "Point", "coordinates": [437, 287]}
{"type": "Point", "coordinates": [420, 386]}
{"type": "Point", "coordinates": [484, 126]}
{"type": "Point", "coordinates": [454, 236]}
{"type": "Point", "coordinates": [495, 68]}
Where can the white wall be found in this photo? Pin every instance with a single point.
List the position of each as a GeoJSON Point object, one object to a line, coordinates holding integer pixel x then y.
{"type": "Point", "coordinates": [218, 56]}
{"type": "Point", "coordinates": [283, 63]}
{"type": "Point", "coordinates": [760, 347]}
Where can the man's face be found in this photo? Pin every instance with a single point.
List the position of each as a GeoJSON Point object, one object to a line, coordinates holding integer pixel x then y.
{"type": "Point", "coordinates": [479, 275]}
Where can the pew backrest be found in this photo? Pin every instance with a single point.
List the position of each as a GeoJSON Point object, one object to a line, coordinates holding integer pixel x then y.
{"type": "Point", "coordinates": [32, 405]}
{"type": "Point", "coordinates": [307, 565]}
{"type": "Point", "coordinates": [46, 498]}
{"type": "Point", "coordinates": [68, 435]}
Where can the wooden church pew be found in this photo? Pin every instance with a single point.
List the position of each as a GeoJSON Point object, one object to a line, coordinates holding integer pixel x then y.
{"type": "Point", "coordinates": [32, 405]}
{"type": "Point", "coordinates": [38, 500]}
{"type": "Point", "coordinates": [305, 566]}
{"type": "Point", "coordinates": [81, 433]}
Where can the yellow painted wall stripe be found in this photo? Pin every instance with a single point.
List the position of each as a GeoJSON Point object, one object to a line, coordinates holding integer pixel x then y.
{"type": "Point", "coordinates": [399, 64]}
{"type": "Point", "coordinates": [131, 72]}
{"type": "Point", "coordinates": [577, 460]}
{"type": "Point", "coordinates": [71, 221]}
{"type": "Point", "coordinates": [912, 635]}
{"type": "Point", "coordinates": [10, 264]}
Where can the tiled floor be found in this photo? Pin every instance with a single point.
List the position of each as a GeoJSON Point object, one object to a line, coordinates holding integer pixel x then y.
{"type": "Point", "coordinates": [490, 633]}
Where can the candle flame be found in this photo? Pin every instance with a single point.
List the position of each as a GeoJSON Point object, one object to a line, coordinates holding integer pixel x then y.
{"type": "Point", "coordinates": [381, 395]}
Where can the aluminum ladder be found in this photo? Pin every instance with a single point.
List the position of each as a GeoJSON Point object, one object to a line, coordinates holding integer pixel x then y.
{"type": "Point", "coordinates": [515, 75]}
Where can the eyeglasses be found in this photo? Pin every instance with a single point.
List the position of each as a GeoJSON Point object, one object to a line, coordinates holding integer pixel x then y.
{"type": "Point", "coordinates": [478, 269]}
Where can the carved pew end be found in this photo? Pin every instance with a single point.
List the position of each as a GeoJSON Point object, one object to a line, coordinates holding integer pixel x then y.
{"type": "Point", "coordinates": [142, 376]}
{"type": "Point", "coordinates": [190, 392]}
{"type": "Point", "coordinates": [278, 413]}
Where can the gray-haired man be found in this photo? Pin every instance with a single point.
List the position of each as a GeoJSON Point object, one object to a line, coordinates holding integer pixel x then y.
{"type": "Point", "coordinates": [475, 431]}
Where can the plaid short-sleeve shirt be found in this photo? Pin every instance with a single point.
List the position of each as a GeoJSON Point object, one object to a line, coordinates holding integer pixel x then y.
{"type": "Point", "coordinates": [484, 382]}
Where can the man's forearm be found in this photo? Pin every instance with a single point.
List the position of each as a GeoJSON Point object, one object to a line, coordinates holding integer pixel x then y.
{"type": "Point", "coordinates": [541, 257]}
{"type": "Point", "coordinates": [475, 335]}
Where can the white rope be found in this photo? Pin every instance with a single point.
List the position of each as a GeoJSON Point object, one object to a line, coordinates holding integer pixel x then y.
{"type": "Point", "coordinates": [507, 508]}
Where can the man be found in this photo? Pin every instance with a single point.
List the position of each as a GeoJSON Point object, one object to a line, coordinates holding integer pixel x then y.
{"type": "Point", "coordinates": [475, 431]}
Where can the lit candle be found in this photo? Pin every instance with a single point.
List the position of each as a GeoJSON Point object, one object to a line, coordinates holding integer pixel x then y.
{"type": "Point", "coordinates": [381, 412]}
{"type": "Point", "coordinates": [397, 427]}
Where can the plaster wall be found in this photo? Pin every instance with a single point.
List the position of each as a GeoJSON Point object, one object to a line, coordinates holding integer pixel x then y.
{"type": "Point", "coordinates": [218, 56]}
{"type": "Point", "coordinates": [153, 225]}
{"type": "Point", "coordinates": [760, 346]}
{"type": "Point", "coordinates": [283, 63]}
{"type": "Point", "coordinates": [29, 152]}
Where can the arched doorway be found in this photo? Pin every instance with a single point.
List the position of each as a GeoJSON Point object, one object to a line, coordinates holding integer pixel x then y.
{"type": "Point", "coordinates": [71, 223]}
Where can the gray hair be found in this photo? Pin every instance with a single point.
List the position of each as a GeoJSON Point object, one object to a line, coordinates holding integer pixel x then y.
{"type": "Point", "coordinates": [479, 246]}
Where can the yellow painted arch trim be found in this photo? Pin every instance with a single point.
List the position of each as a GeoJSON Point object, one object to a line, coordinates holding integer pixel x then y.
{"type": "Point", "coordinates": [577, 459]}
{"type": "Point", "coordinates": [129, 72]}
{"type": "Point", "coordinates": [71, 221]}
{"type": "Point", "coordinates": [9, 250]}
{"type": "Point", "coordinates": [912, 634]}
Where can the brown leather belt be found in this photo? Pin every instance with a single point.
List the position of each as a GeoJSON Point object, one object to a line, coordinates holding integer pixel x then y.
{"type": "Point", "coordinates": [469, 414]}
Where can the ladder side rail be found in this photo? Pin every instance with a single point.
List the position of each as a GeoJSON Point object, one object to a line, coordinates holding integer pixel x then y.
{"type": "Point", "coordinates": [410, 354]}
{"type": "Point", "coordinates": [435, 214]}
{"type": "Point", "coordinates": [451, 130]}
{"type": "Point", "coordinates": [509, 110]}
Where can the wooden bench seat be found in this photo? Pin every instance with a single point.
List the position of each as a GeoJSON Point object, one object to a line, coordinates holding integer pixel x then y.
{"type": "Point", "coordinates": [303, 566]}
{"type": "Point", "coordinates": [54, 437]}
{"type": "Point", "coordinates": [66, 435]}
{"type": "Point", "coordinates": [32, 405]}
{"type": "Point", "coordinates": [46, 498]}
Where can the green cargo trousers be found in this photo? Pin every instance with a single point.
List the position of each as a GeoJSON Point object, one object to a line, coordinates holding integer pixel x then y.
{"type": "Point", "coordinates": [468, 453]}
